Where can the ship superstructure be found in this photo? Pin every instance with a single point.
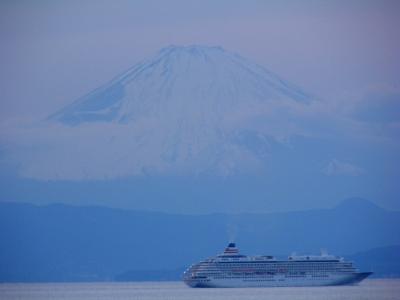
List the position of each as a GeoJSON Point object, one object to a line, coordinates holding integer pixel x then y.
{"type": "Point", "coordinates": [232, 269]}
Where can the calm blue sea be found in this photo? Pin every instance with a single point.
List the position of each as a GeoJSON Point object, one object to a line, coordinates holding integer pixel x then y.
{"type": "Point", "coordinates": [369, 289]}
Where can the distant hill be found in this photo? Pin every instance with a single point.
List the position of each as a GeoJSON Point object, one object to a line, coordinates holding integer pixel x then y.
{"type": "Point", "coordinates": [383, 261]}
{"type": "Point", "coordinates": [70, 243]}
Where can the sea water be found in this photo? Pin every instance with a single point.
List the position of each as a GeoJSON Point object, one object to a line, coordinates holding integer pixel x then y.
{"type": "Point", "coordinates": [370, 289]}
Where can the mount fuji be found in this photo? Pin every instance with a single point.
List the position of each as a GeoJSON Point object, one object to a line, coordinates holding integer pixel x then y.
{"type": "Point", "coordinates": [187, 110]}
{"type": "Point", "coordinates": [196, 83]}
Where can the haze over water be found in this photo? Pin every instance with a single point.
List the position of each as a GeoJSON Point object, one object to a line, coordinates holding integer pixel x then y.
{"type": "Point", "coordinates": [385, 289]}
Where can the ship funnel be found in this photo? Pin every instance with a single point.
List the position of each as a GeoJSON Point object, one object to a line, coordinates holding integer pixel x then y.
{"type": "Point", "coordinates": [231, 249]}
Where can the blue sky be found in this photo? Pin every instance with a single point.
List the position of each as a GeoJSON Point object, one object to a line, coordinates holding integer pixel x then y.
{"type": "Point", "coordinates": [344, 52]}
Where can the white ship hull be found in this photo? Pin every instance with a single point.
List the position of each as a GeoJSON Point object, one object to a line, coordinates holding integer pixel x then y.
{"type": "Point", "coordinates": [276, 281]}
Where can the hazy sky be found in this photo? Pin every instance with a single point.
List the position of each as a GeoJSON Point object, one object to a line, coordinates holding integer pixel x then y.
{"type": "Point", "coordinates": [54, 51]}
{"type": "Point", "coordinates": [346, 53]}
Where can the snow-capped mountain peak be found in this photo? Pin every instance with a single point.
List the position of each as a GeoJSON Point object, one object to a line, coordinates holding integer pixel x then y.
{"type": "Point", "coordinates": [188, 109]}
{"type": "Point", "coordinates": [185, 81]}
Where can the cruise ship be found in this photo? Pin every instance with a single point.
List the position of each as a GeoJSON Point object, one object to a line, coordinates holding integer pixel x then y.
{"type": "Point", "coordinates": [232, 269]}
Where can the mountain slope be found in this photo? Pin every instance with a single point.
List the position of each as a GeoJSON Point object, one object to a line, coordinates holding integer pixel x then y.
{"type": "Point", "coordinates": [194, 83]}
{"type": "Point", "coordinates": [187, 110]}
{"type": "Point", "coordinates": [67, 243]}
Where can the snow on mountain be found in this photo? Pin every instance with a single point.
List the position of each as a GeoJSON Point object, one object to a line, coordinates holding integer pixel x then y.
{"type": "Point", "coordinates": [197, 82]}
{"type": "Point", "coordinates": [188, 110]}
